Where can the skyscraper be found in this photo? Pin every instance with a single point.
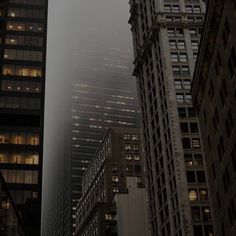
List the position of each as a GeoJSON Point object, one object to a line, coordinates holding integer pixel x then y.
{"type": "Point", "coordinates": [166, 36]}
{"type": "Point", "coordinates": [103, 96]}
{"type": "Point", "coordinates": [214, 94]}
{"type": "Point", "coordinates": [23, 52]}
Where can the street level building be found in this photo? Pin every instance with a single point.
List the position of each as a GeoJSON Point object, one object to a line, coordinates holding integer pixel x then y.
{"type": "Point", "coordinates": [22, 76]}
{"type": "Point", "coordinates": [118, 157]}
{"type": "Point", "coordinates": [166, 36]}
{"type": "Point", "coordinates": [214, 97]}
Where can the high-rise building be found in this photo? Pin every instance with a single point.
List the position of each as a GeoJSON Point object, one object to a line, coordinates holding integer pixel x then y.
{"type": "Point", "coordinates": [23, 51]}
{"type": "Point", "coordinates": [119, 156]}
{"type": "Point", "coordinates": [214, 96]}
{"type": "Point", "coordinates": [103, 96]}
{"type": "Point", "coordinates": [166, 35]}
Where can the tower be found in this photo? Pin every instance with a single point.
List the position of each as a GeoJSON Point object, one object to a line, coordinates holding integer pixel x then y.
{"type": "Point", "coordinates": [166, 36]}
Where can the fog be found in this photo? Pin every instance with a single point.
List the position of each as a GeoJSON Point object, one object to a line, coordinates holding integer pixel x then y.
{"type": "Point", "coordinates": [77, 30]}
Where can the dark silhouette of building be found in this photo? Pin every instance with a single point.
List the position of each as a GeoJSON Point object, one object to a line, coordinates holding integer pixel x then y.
{"type": "Point", "coordinates": [23, 48]}
{"type": "Point", "coordinates": [119, 156]}
{"type": "Point", "coordinates": [10, 222]}
{"type": "Point", "coordinates": [166, 36]}
{"type": "Point", "coordinates": [214, 97]}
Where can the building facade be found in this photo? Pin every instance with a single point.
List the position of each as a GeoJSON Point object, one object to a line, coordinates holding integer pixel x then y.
{"type": "Point", "coordinates": [23, 50]}
{"type": "Point", "coordinates": [166, 36]}
{"type": "Point", "coordinates": [214, 93]}
{"type": "Point", "coordinates": [118, 156]}
{"type": "Point", "coordinates": [101, 98]}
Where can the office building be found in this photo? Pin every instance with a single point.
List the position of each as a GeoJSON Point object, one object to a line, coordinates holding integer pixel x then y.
{"type": "Point", "coordinates": [23, 49]}
{"type": "Point", "coordinates": [103, 97]}
{"type": "Point", "coordinates": [118, 156]}
{"type": "Point", "coordinates": [166, 35]}
{"type": "Point", "coordinates": [214, 93]}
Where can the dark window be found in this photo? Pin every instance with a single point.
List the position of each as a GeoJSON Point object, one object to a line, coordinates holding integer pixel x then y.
{"type": "Point", "coordinates": [201, 176]}
{"type": "Point", "coordinates": [191, 177]}
{"type": "Point", "coordinates": [186, 143]}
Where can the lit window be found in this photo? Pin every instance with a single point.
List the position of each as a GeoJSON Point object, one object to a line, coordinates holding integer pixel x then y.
{"type": "Point", "coordinates": [134, 137]}
{"type": "Point", "coordinates": [192, 193]}
{"type": "Point", "coordinates": [196, 143]}
{"type": "Point", "coordinates": [136, 157]}
{"type": "Point", "coordinates": [115, 178]}
{"type": "Point", "coordinates": [127, 146]}
{"type": "Point", "coordinates": [128, 156]}
{"type": "Point", "coordinates": [126, 136]}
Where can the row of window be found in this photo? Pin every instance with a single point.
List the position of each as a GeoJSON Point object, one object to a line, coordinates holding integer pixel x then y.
{"type": "Point", "coordinates": [20, 197]}
{"type": "Point", "coordinates": [28, 71]}
{"type": "Point", "coordinates": [24, 40]}
{"type": "Point", "coordinates": [188, 8]}
{"type": "Point", "coordinates": [182, 84]}
{"type": "Point", "coordinates": [30, 27]}
{"type": "Point", "coordinates": [26, 13]}
{"type": "Point", "coordinates": [129, 146]}
{"type": "Point", "coordinates": [27, 159]}
{"type": "Point", "coordinates": [23, 55]}
{"type": "Point", "coordinates": [20, 176]}
{"type": "Point", "coordinates": [131, 137]}
{"type": "Point", "coordinates": [130, 156]}
{"type": "Point", "coordinates": [20, 103]}
{"type": "Point", "coordinates": [19, 138]}
{"type": "Point", "coordinates": [21, 86]}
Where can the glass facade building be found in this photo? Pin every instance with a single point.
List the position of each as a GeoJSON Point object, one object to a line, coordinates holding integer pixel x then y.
{"type": "Point", "coordinates": [22, 51]}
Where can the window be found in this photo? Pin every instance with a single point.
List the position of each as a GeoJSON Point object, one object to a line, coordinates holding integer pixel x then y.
{"type": "Point", "coordinates": [134, 137]}
{"type": "Point", "coordinates": [182, 112]}
{"type": "Point", "coordinates": [136, 157]}
{"type": "Point", "coordinates": [184, 127]}
{"type": "Point", "coordinates": [115, 189]}
{"type": "Point", "coordinates": [183, 57]}
{"type": "Point", "coordinates": [191, 177]}
{"type": "Point", "coordinates": [126, 136]}
{"type": "Point", "coordinates": [187, 84]}
{"type": "Point", "coordinates": [114, 167]}
{"type": "Point", "coordinates": [180, 97]}
{"type": "Point", "coordinates": [196, 143]}
{"type": "Point", "coordinates": [173, 44]}
{"type": "Point", "coordinates": [115, 178]}
{"type": "Point", "coordinates": [178, 84]}
{"type": "Point", "coordinates": [174, 57]}
{"type": "Point", "coordinates": [186, 143]}
{"type": "Point", "coordinates": [135, 147]}
{"type": "Point", "coordinates": [192, 193]}
{"type": "Point", "coordinates": [127, 146]}
{"type": "Point", "coordinates": [203, 194]}
{"type": "Point", "coordinates": [195, 213]}
{"type": "Point", "coordinates": [128, 156]}
{"type": "Point", "coordinates": [201, 176]}
{"type": "Point", "coordinates": [176, 70]}
{"type": "Point", "coordinates": [181, 45]}
{"type": "Point", "coordinates": [194, 127]}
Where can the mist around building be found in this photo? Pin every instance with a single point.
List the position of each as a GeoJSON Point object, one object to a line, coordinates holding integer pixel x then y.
{"type": "Point", "coordinates": [117, 118]}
